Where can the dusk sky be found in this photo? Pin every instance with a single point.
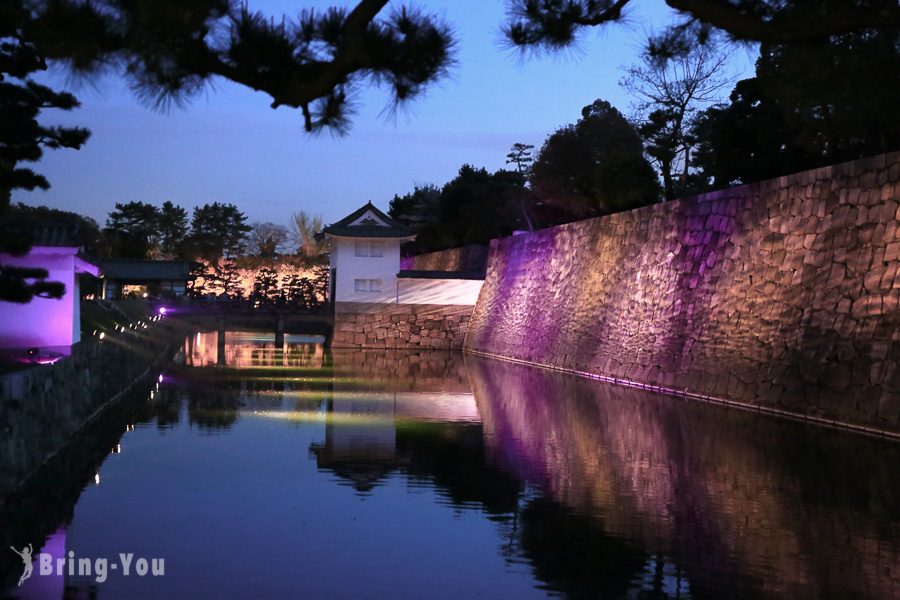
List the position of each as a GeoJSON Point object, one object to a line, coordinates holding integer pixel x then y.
{"type": "Point", "coordinates": [228, 145]}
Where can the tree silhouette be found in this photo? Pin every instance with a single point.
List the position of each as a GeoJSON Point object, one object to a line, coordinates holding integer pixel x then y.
{"type": "Point", "coordinates": [304, 228]}
{"type": "Point", "coordinates": [217, 230]}
{"type": "Point", "coordinates": [808, 106]}
{"type": "Point", "coordinates": [133, 229]}
{"type": "Point", "coordinates": [173, 229]}
{"type": "Point", "coordinates": [520, 155]}
{"type": "Point", "coordinates": [267, 239]}
{"type": "Point", "coordinates": [669, 96]}
{"type": "Point", "coordinates": [595, 166]}
{"type": "Point", "coordinates": [265, 286]}
{"type": "Point", "coordinates": [22, 137]}
{"type": "Point", "coordinates": [170, 49]}
{"type": "Point", "coordinates": [554, 24]}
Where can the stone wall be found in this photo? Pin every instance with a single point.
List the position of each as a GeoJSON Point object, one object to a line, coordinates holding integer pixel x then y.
{"type": "Point", "coordinates": [411, 326]}
{"type": "Point", "coordinates": [42, 407]}
{"type": "Point", "coordinates": [781, 295]}
{"type": "Point", "coordinates": [470, 259]}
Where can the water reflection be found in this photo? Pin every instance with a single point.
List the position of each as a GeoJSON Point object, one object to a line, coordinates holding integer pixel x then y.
{"type": "Point", "coordinates": [757, 506]}
{"type": "Point", "coordinates": [468, 476]}
{"type": "Point", "coordinates": [42, 510]}
{"type": "Point", "coordinates": [252, 349]}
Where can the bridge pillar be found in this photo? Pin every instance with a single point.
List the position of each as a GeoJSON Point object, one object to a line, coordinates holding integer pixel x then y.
{"type": "Point", "coordinates": [220, 342]}
{"type": "Point", "coordinates": [279, 333]}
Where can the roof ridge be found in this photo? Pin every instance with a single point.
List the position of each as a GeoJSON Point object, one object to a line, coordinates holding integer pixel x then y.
{"type": "Point", "coordinates": [345, 226]}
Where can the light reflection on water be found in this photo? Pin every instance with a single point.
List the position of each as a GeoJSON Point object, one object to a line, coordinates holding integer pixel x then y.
{"type": "Point", "coordinates": [293, 472]}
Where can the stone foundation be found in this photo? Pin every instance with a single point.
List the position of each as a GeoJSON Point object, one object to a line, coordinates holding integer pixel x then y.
{"type": "Point", "coordinates": [781, 295]}
{"type": "Point", "coordinates": [410, 326]}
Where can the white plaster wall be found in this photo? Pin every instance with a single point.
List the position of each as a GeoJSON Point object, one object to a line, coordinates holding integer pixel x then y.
{"type": "Point", "coordinates": [439, 291]}
{"type": "Point", "coordinates": [351, 267]}
{"type": "Point", "coordinates": [43, 322]}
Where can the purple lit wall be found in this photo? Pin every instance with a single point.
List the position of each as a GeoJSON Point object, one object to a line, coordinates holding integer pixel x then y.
{"type": "Point", "coordinates": [781, 296]}
{"type": "Point", "coordinates": [45, 322]}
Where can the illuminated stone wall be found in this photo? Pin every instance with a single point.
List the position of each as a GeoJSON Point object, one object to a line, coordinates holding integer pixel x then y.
{"type": "Point", "coordinates": [781, 295]}
{"type": "Point", "coordinates": [411, 326]}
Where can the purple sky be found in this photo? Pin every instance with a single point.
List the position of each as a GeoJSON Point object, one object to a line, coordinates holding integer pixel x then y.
{"type": "Point", "coordinates": [228, 145]}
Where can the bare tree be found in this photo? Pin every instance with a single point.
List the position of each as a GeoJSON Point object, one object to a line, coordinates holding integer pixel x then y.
{"type": "Point", "coordinates": [668, 97]}
{"type": "Point", "coordinates": [304, 228]}
{"type": "Point", "coordinates": [268, 239]}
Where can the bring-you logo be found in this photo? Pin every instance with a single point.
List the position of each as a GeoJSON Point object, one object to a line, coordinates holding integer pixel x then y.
{"type": "Point", "coordinates": [99, 569]}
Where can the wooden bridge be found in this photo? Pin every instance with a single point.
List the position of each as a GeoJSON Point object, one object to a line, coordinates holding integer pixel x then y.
{"type": "Point", "coordinates": [244, 316]}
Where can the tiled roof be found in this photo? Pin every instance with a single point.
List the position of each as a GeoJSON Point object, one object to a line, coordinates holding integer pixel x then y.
{"type": "Point", "coordinates": [145, 270]}
{"type": "Point", "coordinates": [58, 234]}
{"type": "Point", "coordinates": [390, 229]}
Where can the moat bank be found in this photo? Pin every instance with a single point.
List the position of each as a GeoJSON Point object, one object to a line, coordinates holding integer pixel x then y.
{"type": "Point", "coordinates": [42, 407]}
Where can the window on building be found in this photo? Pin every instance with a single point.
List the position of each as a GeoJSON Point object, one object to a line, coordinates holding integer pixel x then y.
{"type": "Point", "coordinates": [367, 285]}
{"type": "Point", "coordinates": [369, 249]}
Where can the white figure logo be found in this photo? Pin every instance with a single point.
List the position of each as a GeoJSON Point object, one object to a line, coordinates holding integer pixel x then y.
{"type": "Point", "coordinates": [26, 558]}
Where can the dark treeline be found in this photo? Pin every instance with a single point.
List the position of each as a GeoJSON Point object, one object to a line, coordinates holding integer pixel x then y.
{"type": "Point", "coordinates": [140, 230]}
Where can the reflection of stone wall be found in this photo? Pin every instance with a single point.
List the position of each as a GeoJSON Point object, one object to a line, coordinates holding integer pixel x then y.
{"type": "Point", "coordinates": [782, 294]}
{"type": "Point", "coordinates": [402, 370]}
{"type": "Point", "coordinates": [471, 258]}
{"type": "Point", "coordinates": [40, 408]}
{"type": "Point", "coordinates": [748, 506]}
{"type": "Point", "coordinates": [413, 326]}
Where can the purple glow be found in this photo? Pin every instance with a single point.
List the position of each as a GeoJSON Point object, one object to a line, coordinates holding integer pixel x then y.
{"type": "Point", "coordinates": [45, 322]}
{"type": "Point", "coordinates": [163, 310]}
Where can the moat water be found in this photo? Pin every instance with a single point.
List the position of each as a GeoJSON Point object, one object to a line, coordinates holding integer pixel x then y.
{"type": "Point", "coordinates": [256, 473]}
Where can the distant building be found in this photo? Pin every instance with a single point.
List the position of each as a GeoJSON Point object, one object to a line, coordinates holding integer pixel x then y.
{"type": "Point", "coordinates": [379, 305]}
{"type": "Point", "coordinates": [46, 323]}
{"type": "Point", "coordinates": [365, 256]}
{"type": "Point", "coordinates": [156, 278]}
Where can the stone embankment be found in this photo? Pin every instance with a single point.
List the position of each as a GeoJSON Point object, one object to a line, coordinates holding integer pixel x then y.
{"type": "Point", "coordinates": [42, 407]}
{"type": "Point", "coordinates": [780, 296]}
{"type": "Point", "coordinates": [400, 326]}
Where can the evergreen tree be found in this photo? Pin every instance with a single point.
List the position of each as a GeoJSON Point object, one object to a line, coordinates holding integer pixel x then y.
{"type": "Point", "coordinates": [173, 229]}
{"type": "Point", "coordinates": [320, 291]}
{"type": "Point", "coordinates": [595, 166]}
{"type": "Point", "coordinates": [217, 230]}
{"type": "Point", "coordinates": [22, 137]}
{"type": "Point", "coordinates": [230, 278]}
{"type": "Point", "coordinates": [133, 229]}
{"type": "Point", "coordinates": [555, 24]}
{"type": "Point", "coordinates": [171, 49]}
{"type": "Point", "coordinates": [265, 287]}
